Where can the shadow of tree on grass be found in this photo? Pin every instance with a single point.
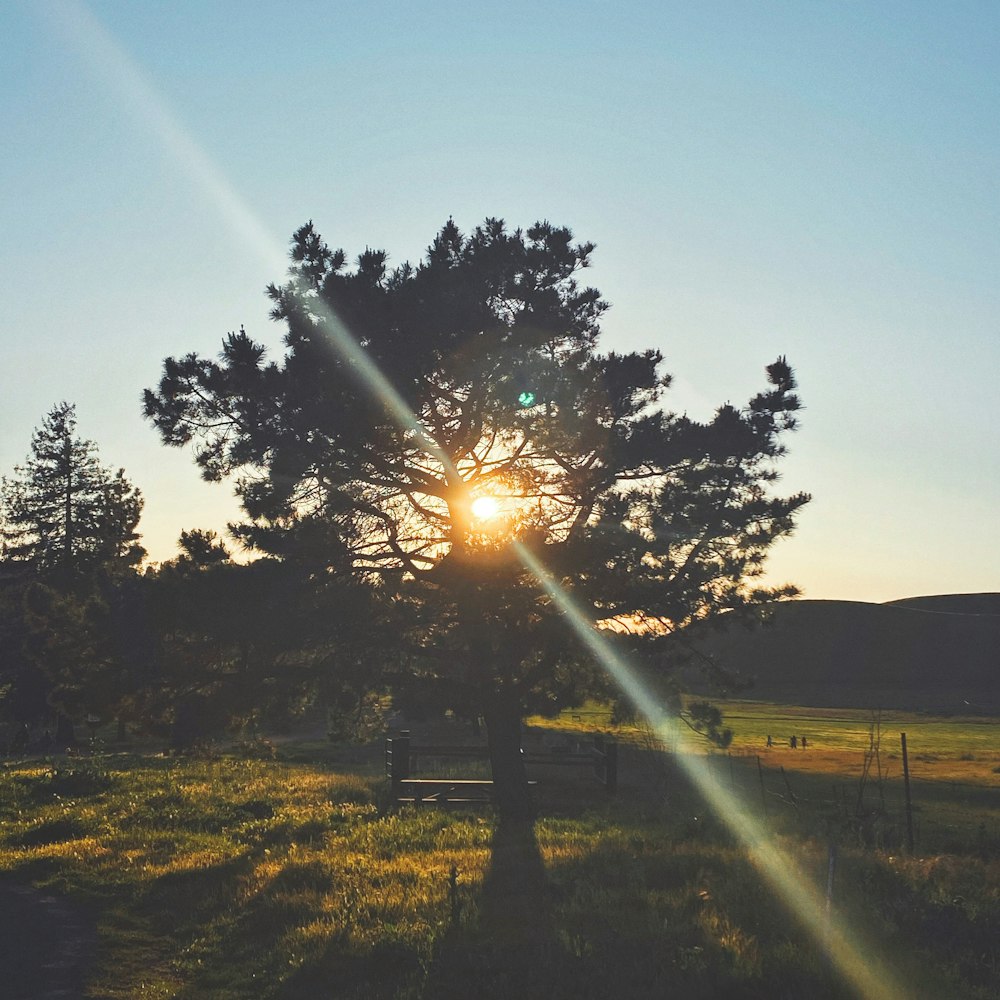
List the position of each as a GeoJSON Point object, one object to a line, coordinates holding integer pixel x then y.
{"type": "Point", "coordinates": [510, 947]}
{"type": "Point", "coordinates": [504, 945]}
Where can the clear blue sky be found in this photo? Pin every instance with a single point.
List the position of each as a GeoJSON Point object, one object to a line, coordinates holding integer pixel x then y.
{"type": "Point", "coordinates": [812, 179]}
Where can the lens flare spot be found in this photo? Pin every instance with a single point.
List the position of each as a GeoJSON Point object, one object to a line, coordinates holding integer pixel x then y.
{"type": "Point", "coordinates": [485, 507]}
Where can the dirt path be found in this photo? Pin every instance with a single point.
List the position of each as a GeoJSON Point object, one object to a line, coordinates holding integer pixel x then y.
{"type": "Point", "coordinates": [46, 945]}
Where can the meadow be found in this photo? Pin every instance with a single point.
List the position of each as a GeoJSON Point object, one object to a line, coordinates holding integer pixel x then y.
{"type": "Point", "coordinates": [227, 877]}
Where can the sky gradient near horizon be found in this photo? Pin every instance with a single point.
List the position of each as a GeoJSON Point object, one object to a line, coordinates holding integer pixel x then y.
{"type": "Point", "coordinates": [820, 180]}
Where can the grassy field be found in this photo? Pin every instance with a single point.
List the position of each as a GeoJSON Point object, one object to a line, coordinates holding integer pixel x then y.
{"type": "Point", "coordinates": [951, 748]}
{"type": "Point", "coordinates": [232, 878]}
{"type": "Point", "coordinates": [939, 749]}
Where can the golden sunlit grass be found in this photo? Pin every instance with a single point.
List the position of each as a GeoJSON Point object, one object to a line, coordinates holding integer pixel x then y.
{"type": "Point", "coordinates": [956, 748]}
{"type": "Point", "coordinates": [940, 748]}
{"type": "Point", "coordinates": [235, 879]}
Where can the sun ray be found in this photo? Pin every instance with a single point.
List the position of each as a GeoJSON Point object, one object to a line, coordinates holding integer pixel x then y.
{"type": "Point", "coordinates": [109, 61]}
{"type": "Point", "coordinates": [864, 971]}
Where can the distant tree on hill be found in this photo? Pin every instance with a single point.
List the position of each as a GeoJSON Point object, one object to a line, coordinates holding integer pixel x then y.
{"type": "Point", "coordinates": [508, 433]}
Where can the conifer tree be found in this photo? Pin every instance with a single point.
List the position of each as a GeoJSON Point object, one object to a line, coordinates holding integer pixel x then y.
{"type": "Point", "coordinates": [507, 431]}
{"type": "Point", "coordinates": [68, 531]}
{"type": "Point", "coordinates": [64, 512]}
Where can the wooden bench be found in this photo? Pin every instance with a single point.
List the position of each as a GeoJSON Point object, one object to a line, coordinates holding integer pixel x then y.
{"type": "Point", "coordinates": [401, 758]}
{"type": "Point", "coordinates": [441, 790]}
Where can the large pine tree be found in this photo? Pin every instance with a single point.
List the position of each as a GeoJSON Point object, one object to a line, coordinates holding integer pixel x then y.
{"type": "Point", "coordinates": [425, 419]}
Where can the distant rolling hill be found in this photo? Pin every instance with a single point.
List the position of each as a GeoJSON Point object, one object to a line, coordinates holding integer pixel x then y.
{"type": "Point", "coordinates": [952, 604]}
{"type": "Point", "coordinates": [938, 654]}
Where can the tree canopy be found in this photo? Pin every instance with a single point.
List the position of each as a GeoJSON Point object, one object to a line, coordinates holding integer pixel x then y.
{"type": "Point", "coordinates": [407, 396]}
{"type": "Point", "coordinates": [245, 643]}
{"type": "Point", "coordinates": [64, 512]}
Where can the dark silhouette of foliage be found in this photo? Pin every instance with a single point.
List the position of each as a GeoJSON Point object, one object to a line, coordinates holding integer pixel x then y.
{"type": "Point", "coordinates": [64, 512]}
{"type": "Point", "coordinates": [245, 643]}
{"type": "Point", "coordinates": [70, 548]}
{"type": "Point", "coordinates": [95, 645]}
{"type": "Point", "coordinates": [201, 548]}
{"type": "Point", "coordinates": [652, 520]}
{"type": "Point", "coordinates": [23, 684]}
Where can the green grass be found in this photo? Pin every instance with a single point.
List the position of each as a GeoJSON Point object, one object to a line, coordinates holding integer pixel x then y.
{"type": "Point", "coordinates": [849, 729]}
{"type": "Point", "coordinates": [225, 879]}
{"type": "Point", "coordinates": [948, 748]}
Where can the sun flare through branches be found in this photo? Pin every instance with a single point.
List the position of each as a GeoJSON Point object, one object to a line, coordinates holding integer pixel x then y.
{"type": "Point", "coordinates": [485, 507]}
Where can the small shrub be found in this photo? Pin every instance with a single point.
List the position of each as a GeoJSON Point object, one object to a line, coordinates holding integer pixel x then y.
{"type": "Point", "coordinates": [259, 749]}
{"type": "Point", "coordinates": [75, 780]}
{"type": "Point", "coordinates": [257, 809]}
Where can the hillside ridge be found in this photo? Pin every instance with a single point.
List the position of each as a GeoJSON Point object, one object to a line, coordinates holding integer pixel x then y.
{"type": "Point", "coordinates": [936, 653]}
{"type": "Point", "coordinates": [984, 604]}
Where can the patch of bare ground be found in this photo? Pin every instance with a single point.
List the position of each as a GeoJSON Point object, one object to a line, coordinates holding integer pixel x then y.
{"type": "Point", "coordinates": [48, 945]}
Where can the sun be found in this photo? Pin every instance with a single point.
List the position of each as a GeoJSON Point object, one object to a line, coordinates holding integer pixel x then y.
{"type": "Point", "coordinates": [485, 507]}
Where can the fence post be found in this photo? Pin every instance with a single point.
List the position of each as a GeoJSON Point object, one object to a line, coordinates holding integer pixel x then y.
{"type": "Point", "coordinates": [611, 766]}
{"type": "Point", "coordinates": [453, 894]}
{"type": "Point", "coordinates": [906, 787]}
{"type": "Point", "coordinates": [399, 760]}
{"type": "Point", "coordinates": [830, 871]}
{"type": "Point", "coordinates": [791, 794]}
{"type": "Point", "coordinates": [763, 794]}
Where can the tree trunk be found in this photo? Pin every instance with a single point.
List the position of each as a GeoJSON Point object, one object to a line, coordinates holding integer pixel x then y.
{"type": "Point", "coordinates": [510, 780]}
{"type": "Point", "coordinates": [68, 510]}
{"type": "Point", "coordinates": [65, 736]}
